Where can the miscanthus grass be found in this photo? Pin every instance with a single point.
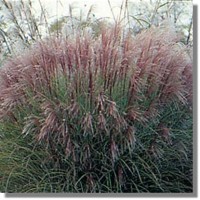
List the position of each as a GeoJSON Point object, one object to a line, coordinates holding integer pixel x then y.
{"type": "Point", "coordinates": [106, 113]}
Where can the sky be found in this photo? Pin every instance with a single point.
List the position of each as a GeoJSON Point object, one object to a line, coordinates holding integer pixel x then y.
{"type": "Point", "coordinates": [61, 7]}
{"type": "Point", "coordinates": [101, 8]}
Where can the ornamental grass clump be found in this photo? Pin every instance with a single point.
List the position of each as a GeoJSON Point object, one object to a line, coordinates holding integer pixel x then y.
{"type": "Point", "coordinates": [86, 102]}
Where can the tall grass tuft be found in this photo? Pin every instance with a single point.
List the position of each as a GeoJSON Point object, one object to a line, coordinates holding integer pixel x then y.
{"type": "Point", "coordinates": [97, 113]}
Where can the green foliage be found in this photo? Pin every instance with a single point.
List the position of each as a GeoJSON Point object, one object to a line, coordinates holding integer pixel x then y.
{"type": "Point", "coordinates": [154, 165]}
{"type": "Point", "coordinates": [57, 26]}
